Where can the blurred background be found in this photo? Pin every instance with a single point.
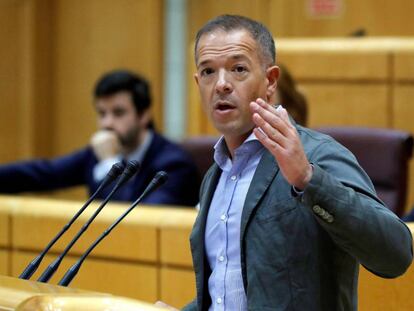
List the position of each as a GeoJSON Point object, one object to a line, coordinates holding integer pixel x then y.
{"type": "Point", "coordinates": [354, 61]}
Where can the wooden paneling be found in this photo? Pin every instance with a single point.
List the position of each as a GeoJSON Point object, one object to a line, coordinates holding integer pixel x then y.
{"type": "Point", "coordinates": [347, 104]}
{"type": "Point", "coordinates": [403, 108]}
{"type": "Point", "coordinates": [4, 225]}
{"type": "Point", "coordinates": [177, 286]}
{"type": "Point", "coordinates": [40, 220]}
{"type": "Point", "coordinates": [380, 294]}
{"type": "Point", "coordinates": [35, 80]}
{"type": "Point", "coordinates": [404, 65]}
{"type": "Point", "coordinates": [377, 18]}
{"type": "Point", "coordinates": [9, 127]}
{"type": "Point", "coordinates": [334, 59]}
{"type": "Point", "coordinates": [175, 246]}
{"type": "Point", "coordinates": [4, 262]}
{"type": "Point", "coordinates": [92, 37]}
{"type": "Point", "coordinates": [119, 278]}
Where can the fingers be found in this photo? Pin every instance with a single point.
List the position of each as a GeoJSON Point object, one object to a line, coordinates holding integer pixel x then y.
{"type": "Point", "coordinates": [274, 123]}
{"type": "Point", "coordinates": [105, 144]}
{"type": "Point", "coordinates": [268, 143]}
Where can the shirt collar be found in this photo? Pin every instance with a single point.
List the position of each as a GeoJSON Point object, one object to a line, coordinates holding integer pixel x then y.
{"type": "Point", "coordinates": [222, 155]}
{"type": "Point", "coordinates": [139, 153]}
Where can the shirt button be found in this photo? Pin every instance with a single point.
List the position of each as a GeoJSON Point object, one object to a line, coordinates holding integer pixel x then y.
{"type": "Point", "coordinates": [223, 217]}
{"type": "Point", "coordinates": [219, 300]}
{"type": "Point", "coordinates": [221, 258]}
{"type": "Point", "coordinates": [233, 178]}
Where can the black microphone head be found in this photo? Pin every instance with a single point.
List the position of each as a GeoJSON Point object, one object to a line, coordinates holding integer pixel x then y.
{"type": "Point", "coordinates": [160, 178]}
{"type": "Point", "coordinates": [131, 168]}
{"type": "Point", "coordinates": [116, 169]}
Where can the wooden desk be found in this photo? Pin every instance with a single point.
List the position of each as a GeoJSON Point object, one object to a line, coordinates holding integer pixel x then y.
{"type": "Point", "coordinates": [23, 295]}
{"type": "Point", "coordinates": [147, 257]}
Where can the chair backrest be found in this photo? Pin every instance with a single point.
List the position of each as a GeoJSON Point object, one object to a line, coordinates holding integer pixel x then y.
{"type": "Point", "coordinates": [201, 150]}
{"type": "Point", "coordinates": [384, 154]}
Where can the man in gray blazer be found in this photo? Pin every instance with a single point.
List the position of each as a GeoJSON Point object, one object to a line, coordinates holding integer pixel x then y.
{"type": "Point", "coordinates": [286, 213]}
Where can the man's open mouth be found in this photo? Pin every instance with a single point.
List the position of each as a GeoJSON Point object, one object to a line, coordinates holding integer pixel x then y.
{"type": "Point", "coordinates": [223, 106]}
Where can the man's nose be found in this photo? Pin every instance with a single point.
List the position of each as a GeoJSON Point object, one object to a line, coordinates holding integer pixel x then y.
{"type": "Point", "coordinates": [107, 122]}
{"type": "Point", "coordinates": [223, 85]}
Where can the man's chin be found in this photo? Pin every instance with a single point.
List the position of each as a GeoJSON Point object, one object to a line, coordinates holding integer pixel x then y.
{"type": "Point", "coordinates": [234, 130]}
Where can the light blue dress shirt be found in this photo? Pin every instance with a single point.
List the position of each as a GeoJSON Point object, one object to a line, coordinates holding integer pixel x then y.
{"type": "Point", "coordinates": [222, 237]}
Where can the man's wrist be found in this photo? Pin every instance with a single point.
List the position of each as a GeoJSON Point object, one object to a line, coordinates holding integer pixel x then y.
{"type": "Point", "coordinates": [308, 176]}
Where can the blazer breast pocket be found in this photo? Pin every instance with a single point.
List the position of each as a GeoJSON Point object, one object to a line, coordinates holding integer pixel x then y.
{"type": "Point", "coordinates": [271, 210]}
{"type": "Point", "coordinates": [281, 232]}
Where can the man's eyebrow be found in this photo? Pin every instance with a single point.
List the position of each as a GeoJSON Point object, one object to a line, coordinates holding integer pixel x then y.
{"type": "Point", "coordinates": [233, 57]}
{"type": "Point", "coordinates": [203, 63]}
{"type": "Point", "coordinates": [239, 56]}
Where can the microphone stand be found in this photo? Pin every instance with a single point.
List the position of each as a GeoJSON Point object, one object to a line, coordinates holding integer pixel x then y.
{"type": "Point", "coordinates": [131, 168]}
{"type": "Point", "coordinates": [159, 179]}
{"type": "Point", "coordinates": [31, 268]}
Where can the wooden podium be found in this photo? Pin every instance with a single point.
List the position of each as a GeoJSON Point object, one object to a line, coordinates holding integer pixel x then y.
{"type": "Point", "coordinates": [23, 295]}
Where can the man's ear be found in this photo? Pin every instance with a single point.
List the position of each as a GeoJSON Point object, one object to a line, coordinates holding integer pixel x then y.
{"type": "Point", "coordinates": [272, 74]}
{"type": "Point", "coordinates": [145, 118]}
{"type": "Point", "coordinates": [196, 77]}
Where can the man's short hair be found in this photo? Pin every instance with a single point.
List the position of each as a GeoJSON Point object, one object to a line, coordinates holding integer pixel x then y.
{"type": "Point", "coordinates": [123, 80]}
{"type": "Point", "coordinates": [257, 30]}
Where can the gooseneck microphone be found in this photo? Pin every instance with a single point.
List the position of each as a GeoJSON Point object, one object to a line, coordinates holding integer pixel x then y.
{"type": "Point", "coordinates": [131, 168]}
{"type": "Point", "coordinates": [113, 173]}
{"type": "Point", "coordinates": [159, 179]}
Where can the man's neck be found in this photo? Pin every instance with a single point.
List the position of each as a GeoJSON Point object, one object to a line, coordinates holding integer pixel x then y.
{"type": "Point", "coordinates": [233, 142]}
{"type": "Point", "coordinates": [128, 150]}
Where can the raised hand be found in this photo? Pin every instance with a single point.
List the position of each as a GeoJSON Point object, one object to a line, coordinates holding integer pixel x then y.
{"type": "Point", "coordinates": [280, 137]}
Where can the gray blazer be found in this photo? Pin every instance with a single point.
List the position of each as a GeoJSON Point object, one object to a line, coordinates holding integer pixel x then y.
{"type": "Point", "coordinates": [303, 252]}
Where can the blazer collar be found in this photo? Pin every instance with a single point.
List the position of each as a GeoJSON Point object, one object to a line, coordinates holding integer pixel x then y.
{"type": "Point", "coordinates": [263, 177]}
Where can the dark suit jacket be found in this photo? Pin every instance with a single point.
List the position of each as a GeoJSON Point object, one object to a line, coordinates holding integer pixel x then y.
{"type": "Point", "coordinates": [77, 169]}
{"type": "Point", "coordinates": [303, 252]}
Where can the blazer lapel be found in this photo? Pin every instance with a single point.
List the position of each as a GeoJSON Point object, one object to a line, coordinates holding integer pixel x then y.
{"type": "Point", "coordinates": [263, 177]}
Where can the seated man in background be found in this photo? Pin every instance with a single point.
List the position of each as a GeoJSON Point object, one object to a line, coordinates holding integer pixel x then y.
{"type": "Point", "coordinates": [122, 102]}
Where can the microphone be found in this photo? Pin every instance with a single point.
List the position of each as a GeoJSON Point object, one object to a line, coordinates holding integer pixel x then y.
{"type": "Point", "coordinates": [159, 179]}
{"type": "Point", "coordinates": [113, 173]}
{"type": "Point", "coordinates": [131, 168]}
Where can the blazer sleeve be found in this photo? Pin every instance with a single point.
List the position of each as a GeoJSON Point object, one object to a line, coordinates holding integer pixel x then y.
{"type": "Point", "coordinates": [192, 306]}
{"type": "Point", "coordinates": [343, 201]}
{"type": "Point", "coordinates": [38, 175]}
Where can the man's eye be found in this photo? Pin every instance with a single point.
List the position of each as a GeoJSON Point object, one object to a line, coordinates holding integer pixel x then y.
{"type": "Point", "coordinates": [119, 113]}
{"type": "Point", "coordinates": [240, 69]}
{"type": "Point", "coordinates": [206, 71]}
